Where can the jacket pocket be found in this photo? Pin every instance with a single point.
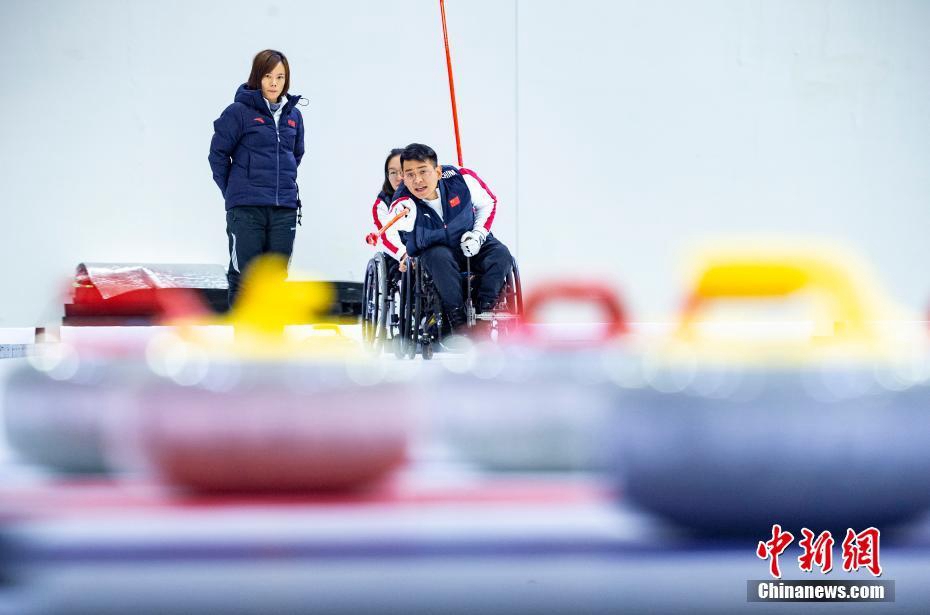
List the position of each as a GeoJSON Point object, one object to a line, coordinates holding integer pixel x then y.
{"type": "Point", "coordinates": [288, 135]}
{"type": "Point", "coordinates": [242, 160]}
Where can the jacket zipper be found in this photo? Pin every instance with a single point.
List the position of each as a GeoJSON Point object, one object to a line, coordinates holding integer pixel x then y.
{"type": "Point", "coordinates": [277, 155]}
{"type": "Point", "coordinates": [445, 212]}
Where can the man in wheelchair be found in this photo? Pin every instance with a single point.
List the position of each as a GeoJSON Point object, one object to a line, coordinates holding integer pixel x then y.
{"type": "Point", "coordinates": [450, 215]}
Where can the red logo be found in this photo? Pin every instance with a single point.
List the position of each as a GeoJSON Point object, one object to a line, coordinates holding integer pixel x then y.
{"type": "Point", "coordinates": [454, 201]}
{"type": "Point", "coordinates": [859, 550]}
{"type": "Point", "coordinates": [259, 120]}
{"type": "Point", "coordinates": [819, 551]}
{"type": "Point", "coordinates": [774, 547]}
{"type": "Point", "coordinates": [292, 123]}
{"type": "Point", "coordinates": [862, 550]}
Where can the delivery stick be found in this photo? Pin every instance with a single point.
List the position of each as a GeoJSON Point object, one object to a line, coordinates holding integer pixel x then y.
{"type": "Point", "coordinates": [372, 238]}
{"type": "Point", "coordinates": [455, 114]}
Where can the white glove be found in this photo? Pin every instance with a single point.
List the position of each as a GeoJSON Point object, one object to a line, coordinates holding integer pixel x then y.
{"type": "Point", "coordinates": [471, 243]}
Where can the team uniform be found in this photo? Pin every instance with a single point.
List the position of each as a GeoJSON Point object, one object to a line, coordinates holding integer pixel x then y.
{"type": "Point", "coordinates": [254, 154]}
{"type": "Point", "coordinates": [380, 213]}
{"type": "Point", "coordinates": [432, 232]}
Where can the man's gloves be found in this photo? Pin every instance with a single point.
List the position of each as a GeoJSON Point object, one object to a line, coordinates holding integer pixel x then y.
{"type": "Point", "coordinates": [471, 242]}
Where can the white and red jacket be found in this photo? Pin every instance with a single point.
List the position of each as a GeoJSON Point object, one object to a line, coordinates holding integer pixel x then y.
{"type": "Point", "coordinates": [380, 215]}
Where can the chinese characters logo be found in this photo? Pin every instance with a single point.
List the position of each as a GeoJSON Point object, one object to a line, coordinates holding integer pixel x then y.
{"type": "Point", "coordinates": [860, 550]}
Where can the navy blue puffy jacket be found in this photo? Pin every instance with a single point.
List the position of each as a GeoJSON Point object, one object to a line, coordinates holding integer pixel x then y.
{"type": "Point", "coordinates": [254, 162]}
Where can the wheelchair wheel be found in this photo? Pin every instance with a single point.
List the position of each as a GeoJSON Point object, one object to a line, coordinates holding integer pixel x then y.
{"type": "Point", "coordinates": [420, 317]}
{"type": "Point", "coordinates": [517, 290]}
{"type": "Point", "coordinates": [513, 292]}
{"type": "Point", "coordinates": [371, 302]}
{"type": "Point", "coordinates": [389, 327]}
{"type": "Point", "coordinates": [430, 318]}
{"type": "Point", "coordinates": [509, 307]}
{"type": "Point", "coordinates": [385, 302]}
{"type": "Point", "coordinates": [406, 327]}
{"type": "Point", "coordinates": [416, 321]}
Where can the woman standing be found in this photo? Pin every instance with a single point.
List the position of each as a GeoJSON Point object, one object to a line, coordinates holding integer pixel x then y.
{"type": "Point", "coordinates": [257, 145]}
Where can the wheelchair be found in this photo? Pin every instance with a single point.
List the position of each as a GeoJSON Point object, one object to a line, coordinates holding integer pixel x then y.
{"type": "Point", "coordinates": [381, 292]}
{"type": "Point", "coordinates": [422, 323]}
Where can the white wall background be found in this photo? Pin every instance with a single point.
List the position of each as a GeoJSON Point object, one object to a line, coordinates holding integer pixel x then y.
{"type": "Point", "coordinates": [615, 134]}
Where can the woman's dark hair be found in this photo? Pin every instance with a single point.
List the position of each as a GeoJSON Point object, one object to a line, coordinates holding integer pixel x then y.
{"type": "Point", "coordinates": [264, 63]}
{"type": "Point", "coordinates": [387, 187]}
{"type": "Point", "coordinates": [420, 153]}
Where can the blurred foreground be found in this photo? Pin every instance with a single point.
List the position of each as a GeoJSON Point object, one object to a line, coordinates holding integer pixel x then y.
{"type": "Point", "coordinates": [240, 464]}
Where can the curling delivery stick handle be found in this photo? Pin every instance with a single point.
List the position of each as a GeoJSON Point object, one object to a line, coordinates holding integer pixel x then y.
{"type": "Point", "coordinates": [455, 112]}
{"type": "Point", "coordinates": [372, 238]}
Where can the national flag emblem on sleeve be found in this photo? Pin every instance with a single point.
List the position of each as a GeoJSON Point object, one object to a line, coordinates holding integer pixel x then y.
{"type": "Point", "coordinates": [454, 201]}
{"type": "Point", "coordinates": [292, 123]}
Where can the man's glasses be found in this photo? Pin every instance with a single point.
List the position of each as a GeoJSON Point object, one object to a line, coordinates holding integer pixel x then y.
{"type": "Point", "coordinates": [409, 176]}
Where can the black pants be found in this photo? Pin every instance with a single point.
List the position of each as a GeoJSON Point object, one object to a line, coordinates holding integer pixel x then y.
{"type": "Point", "coordinates": [253, 231]}
{"type": "Point", "coordinates": [392, 267]}
{"type": "Point", "coordinates": [491, 266]}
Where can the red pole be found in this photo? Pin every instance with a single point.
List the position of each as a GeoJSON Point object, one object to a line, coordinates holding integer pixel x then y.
{"type": "Point", "coordinates": [455, 115]}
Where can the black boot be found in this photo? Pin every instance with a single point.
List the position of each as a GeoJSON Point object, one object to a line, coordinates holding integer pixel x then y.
{"type": "Point", "coordinates": [456, 319]}
{"type": "Point", "coordinates": [485, 305]}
